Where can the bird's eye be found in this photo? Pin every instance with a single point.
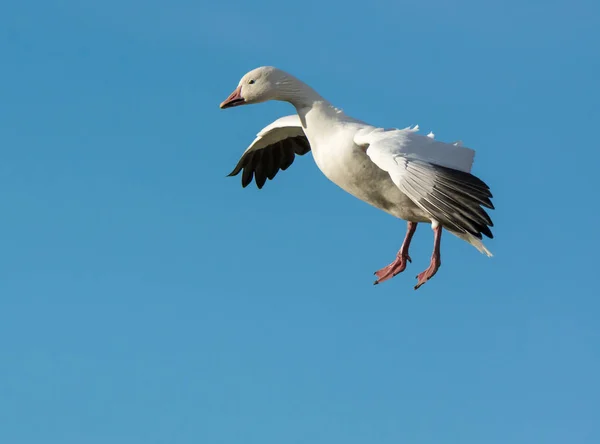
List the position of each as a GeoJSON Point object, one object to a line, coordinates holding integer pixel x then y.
{"type": "Point", "coordinates": [251, 82]}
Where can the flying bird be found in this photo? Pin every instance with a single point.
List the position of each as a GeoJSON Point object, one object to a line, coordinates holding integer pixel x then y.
{"type": "Point", "coordinates": [406, 174]}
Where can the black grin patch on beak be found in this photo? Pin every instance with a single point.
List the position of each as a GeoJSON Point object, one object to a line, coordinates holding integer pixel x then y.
{"type": "Point", "coordinates": [234, 102]}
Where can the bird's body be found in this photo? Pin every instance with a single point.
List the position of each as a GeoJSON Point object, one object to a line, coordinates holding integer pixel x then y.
{"type": "Point", "coordinates": [348, 166]}
{"type": "Point", "coordinates": [408, 175]}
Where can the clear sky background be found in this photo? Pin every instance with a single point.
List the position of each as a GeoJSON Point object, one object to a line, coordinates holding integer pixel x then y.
{"type": "Point", "coordinates": [146, 298]}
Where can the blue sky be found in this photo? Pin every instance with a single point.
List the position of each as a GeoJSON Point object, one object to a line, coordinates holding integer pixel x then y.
{"type": "Point", "coordinates": [146, 298]}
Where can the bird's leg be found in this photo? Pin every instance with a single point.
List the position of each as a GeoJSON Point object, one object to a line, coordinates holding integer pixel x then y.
{"type": "Point", "coordinates": [435, 258]}
{"type": "Point", "coordinates": [402, 257]}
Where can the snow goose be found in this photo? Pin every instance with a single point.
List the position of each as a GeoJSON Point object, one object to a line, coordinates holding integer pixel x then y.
{"type": "Point", "coordinates": [408, 175]}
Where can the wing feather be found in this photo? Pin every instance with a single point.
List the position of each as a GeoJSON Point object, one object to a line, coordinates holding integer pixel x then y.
{"type": "Point", "coordinates": [275, 148]}
{"type": "Point", "coordinates": [435, 176]}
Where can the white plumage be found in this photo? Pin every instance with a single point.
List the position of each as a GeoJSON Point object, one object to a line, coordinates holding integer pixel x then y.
{"type": "Point", "coordinates": [409, 175]}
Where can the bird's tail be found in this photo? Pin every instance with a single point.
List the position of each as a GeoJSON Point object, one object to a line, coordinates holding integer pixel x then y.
{"type": "Point", "coordinates": [477, 243]}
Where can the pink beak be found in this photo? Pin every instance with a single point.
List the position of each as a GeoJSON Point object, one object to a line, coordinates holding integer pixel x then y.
{"type": "Point", "coordinates": [234, 99]}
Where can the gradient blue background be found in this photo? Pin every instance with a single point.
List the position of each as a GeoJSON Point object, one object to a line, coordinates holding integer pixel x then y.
{"type": "Point", "coordinates": [145, 298]}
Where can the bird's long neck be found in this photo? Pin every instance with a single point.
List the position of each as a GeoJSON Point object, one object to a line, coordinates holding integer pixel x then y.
{"type": "Point", "coordinates": [306, 100]}
{"type": "Point", "coordinates": [298, 93]}
{"type": "Point", "coordinates": [317, 115]}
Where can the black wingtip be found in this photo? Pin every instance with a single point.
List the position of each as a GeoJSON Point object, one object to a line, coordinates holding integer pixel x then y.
{"type": "Point", "coordinates": [238, 168]}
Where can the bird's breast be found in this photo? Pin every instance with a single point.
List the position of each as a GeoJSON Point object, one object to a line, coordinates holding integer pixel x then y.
{"type": "Point", "coordinates": [353, 171]}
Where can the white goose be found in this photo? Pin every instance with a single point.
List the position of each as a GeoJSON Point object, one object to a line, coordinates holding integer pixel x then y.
{"type": "Point", "coordinates": [408, 175]}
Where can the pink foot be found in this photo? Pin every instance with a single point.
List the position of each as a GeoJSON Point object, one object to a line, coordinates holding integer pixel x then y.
{"type": "Point", "coordinates": [430, 272]}
{"type": "Point", "coordinates": [393, 269]}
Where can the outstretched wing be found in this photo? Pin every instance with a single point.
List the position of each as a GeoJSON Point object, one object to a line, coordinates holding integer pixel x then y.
{"type": "Point", "coordinates": [274, 149]}
{"type": "Point", "coordinates": [434, 175]}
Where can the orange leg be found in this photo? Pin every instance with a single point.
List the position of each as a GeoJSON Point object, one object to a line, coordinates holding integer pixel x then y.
{"type": "Point", "coordinates": [402, 257]}
{"type": "Point", "coordinates": [435, 259]}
